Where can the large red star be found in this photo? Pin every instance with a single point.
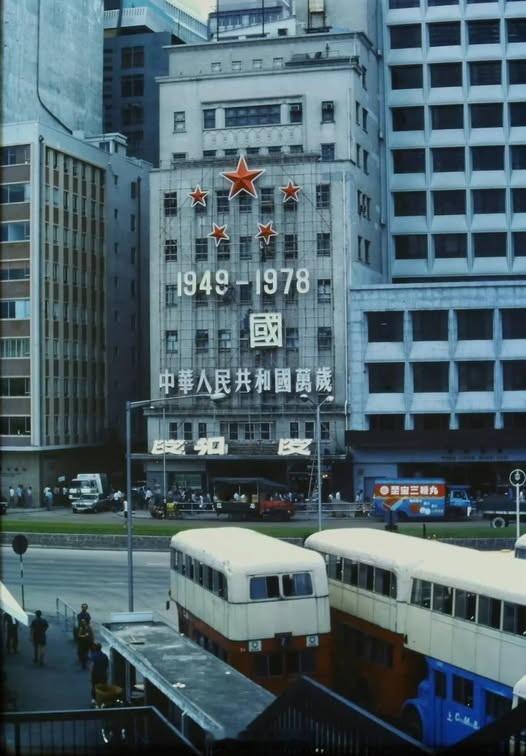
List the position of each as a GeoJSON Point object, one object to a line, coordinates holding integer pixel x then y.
{"type": "Point", "coordinates": [290, 191]}
{"type": "Point", "coordinates": [266, 232]}
{"type": "Point", "coordinates": [219, 233]}
{"type": "Point", "coordinates": [198, 196]}
{"type": "Point", "coordinates": [242, 179]}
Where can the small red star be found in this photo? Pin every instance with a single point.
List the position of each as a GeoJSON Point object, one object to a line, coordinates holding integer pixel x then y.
{"type": "Point", "coordinates": [290, 191]}
{"type": "Point", "coordinates": [218, 234]}
{"type": "Point", "coordinates": [242, 179]}
{"type": "Point", "coordinates": [198, 196]}
{"type": "Point", "coordinates": [266, 232]}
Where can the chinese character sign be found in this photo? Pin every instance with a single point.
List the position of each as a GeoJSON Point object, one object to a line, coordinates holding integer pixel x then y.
{"type": "Point", "coordinates": [289, 446]}
{"type": "Point", "coordinates": [282, 380]}
{"type": "Point", "coordinates": [266, 330]}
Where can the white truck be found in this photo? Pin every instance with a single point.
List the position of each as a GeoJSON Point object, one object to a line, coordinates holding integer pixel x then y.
{"type": "Point", "coordinates": [89, 492]}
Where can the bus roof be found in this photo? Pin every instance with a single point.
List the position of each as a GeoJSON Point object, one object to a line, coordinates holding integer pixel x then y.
{"type": "Point", "coordinates": [234, 550]}
{"type": "Point", "coordinates": [455, 566]}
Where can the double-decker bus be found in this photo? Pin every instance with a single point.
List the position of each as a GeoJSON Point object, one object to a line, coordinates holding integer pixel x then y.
{"type": "Point", "coordinates": [428, 633]}
{"type": "Point", "coordinates": [259, 603]}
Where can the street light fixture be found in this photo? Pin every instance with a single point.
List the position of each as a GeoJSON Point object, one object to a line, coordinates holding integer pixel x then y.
{"type": "Point", "coordinates": [328, 400]}
{"type": "Point", "coordinates": [130, 406]}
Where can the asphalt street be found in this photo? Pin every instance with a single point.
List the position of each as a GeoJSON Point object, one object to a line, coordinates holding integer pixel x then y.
{"type": "Point", "coordinates": [98, 578]}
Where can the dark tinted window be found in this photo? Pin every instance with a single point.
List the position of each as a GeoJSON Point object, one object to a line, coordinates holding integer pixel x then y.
{"type": "Point", "coordinates": [385, 326]}
{"type": "Point", "coordinates": [514, 375]}
{"type": "Point", "coordinates": [486, 116]}
{"type": "Point", "coordinates": [517, 71]}
{"type": "Point", "coordinates": [518, 200]}
{"type": "Point", "coordinates": [450, 245]}
{"type": "Point", "coordinates": [516, 29]}
{"type": "Point", "coordinates": [447, 117]}
{"type": "Point", "coordinates": [463, 689]}
{"type": "Point", "coordinates": [442, 599]}
{"type": "Point", "coordinates": [444, 34]}
{"type": "Point", "coordinates": [264, 587]}
{"type": "Point", "coordinates": [430, 325]}
{"type": "Point", "coordinates": [488, 200]}
{"type": "Point", "coordinates": [484, 72]}
{"type": "Point", "coordinates": [392, 422]}
{"type": "Point", "coordinates": [405, 36]}
{"type": "Point", "coordinates": [409, 203]}
{"type": "Point", "coordinates": [406, 77]}
{"type": "Point", "coordinates": [475, 421]}
{"type": "Point", "coordinates": [431, 422]}
{"type": "Point", "coordinates": [519, 243]}
{"type": "Point", "coordinates": [450, 202]}
{"type": "Point", "coordinates": [297, 584]}
{"type": "Point", "coordinates": [518, 113]}
{"type": "Point", "coordinates": [496, 705]}
{"type": "Point", "coordinates": [394, 4]}
{"type": "Point", "coordinates": [475, 376]}
{"type": "Point", "coordinates": [386, 377]}
{"type": "Point", "coordinates": [409, 161]}
{"type": "Point", "coordinates": [411, 247]}
{"type": "Point", "coordinates": [489, 245]}
{"type": "Point", "coordinates": [408, 119]}
{"type": "Point", "coordinates": [440, 684]}
{"type": "Point", "coordinates": [483, 32]}
{"type": "Point", "coordinates": [446, 74]}
{"type": "Point", "coordinates": [465, 603]}
{"type": "Point", "coordinates": [430, 376]}
{"type": "Point", "coordinates": [448, 159]}
{"type": "Point", "coordinates": [475, 324]}
{"type": "Point", "coordinates": [487, 158]}
{"type": "Point", "coordinates": [518, 157]}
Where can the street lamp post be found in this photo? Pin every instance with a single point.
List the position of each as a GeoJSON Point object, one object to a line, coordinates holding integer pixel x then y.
{"type": "Point", "coordinates": [130, 406]}
{"type": "Point", "coordinates": [318, 405]}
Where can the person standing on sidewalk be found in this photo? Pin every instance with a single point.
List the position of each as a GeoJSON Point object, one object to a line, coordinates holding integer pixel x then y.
{"type": "Point", "coordinates": [11, 633]}
{"type": "Point", "coordinates": [99, 667]}
{"type": "Point", "coordinates": [84, 642]}
{"type": "Point", "coordinates": [39, 628]}
{"type": "Point", "coordinates": [11, 496]}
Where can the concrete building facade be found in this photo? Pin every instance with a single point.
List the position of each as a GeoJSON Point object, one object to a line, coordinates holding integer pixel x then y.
{"type": "Point", "coordinates": [301, 110]}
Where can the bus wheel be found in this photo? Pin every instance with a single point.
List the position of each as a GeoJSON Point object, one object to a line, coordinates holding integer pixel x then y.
{"type": "Point", "coordinates": [499, 522]}
{"type": "Point", "coordinates": [412, 723]}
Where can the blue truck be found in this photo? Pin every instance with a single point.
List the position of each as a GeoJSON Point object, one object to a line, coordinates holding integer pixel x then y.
{"type": "Point", "coordinates": [421, 499]}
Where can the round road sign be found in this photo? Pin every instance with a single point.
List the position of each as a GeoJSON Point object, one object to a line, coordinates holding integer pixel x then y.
{"type": "Point", "coordinates": [517, 477]}
{"type": "Point", "coordinates": [20, 544]}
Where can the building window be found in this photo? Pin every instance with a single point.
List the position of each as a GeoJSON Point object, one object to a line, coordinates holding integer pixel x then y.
{"type": "Point", "coordinates": [447, 117]}
{"type": "Point", "coordinates": [407, 35]}
{"type": "Point", "coordinates": [132, 57]}
{"type": "Point", "coordinates": [408, 119]}
{"type": "Point", "coordinates": [324, 290]}
{"type": "Point", "coordinates": [245, 295]}
{"type": "Point", "coordinates": [484, 72]}
{"type": "Point", "coordinates": [518, 157]}
{"type": "Point", "coordinates": [294, 429]}
{"type": "Point", "coordinates": [446, 159]}
{"type": "Point", "coordinates": [15, 309]}
{"type": "Point", "coordinates": [132, 114]}
{"type": "Point", "coordinates": [519, 243]}
{"type": "Point", "coordinates": [171, 295]}
{"type": "Point", "coordinates": [15, 426]}
{"type": "Point", "coordinates": [516, 29]}
{"type": "Point", "coordinates": [323, 244]}
{"type": "Point", "coordinates": [327, 111]}
{"type": "Point", "coordinates": [209, 118]}
{"type": "Point", "coordinates": [253, 115]}
{"type": "Point", "coordinates": [406, 77]}
{"type": "Point", "coordinates": [223, 204]}
{"type": "Point", "coordinates": [389, 423]}
{"type": "Point", "coordinates": [171, 342]}
{"type": "Point", "coordinates": [514, 375]}
{"type": "Point", "coordinates": [487, 158]}
{"type": "Point", "coordinates": [291, 246]}
{"type": "Point", "coordinates": [444, 34]}
{"type": "Point", "coordinates": [324, 338]}
{"type": "Point", "coordinates": [170, 250]}
{"type": "Point", "coordinates": [446, 74]}
{"type": "Point", "coordinates": [323, 196]}
{"type": "Point", "coordinates": [201, 340]}
{"type": "Point", "coordinates": [475, 376]}
{"type": "Point", "coordinates": [223, 251]}
{"type": "Point", "coordinates": [170, 203]}
{"type": "Point", "coordinates": [245, 247]}
{"type": "Point", "coordinates": [450, 245]}
{"type": "Point", "coordinates": [245, 203]}
{"type": "Point", "coordinates": [431, 376]}
{"type": "Point", "coordinates": [462, 687]}
{"type": "Point", "coordinates": [209, 154]}
{"type": "Point", "coordinates": [474, 324]}
{"type": "Point", "coordinates": [386, 378]}
{"type": "Point", "coordinates": [179, 121]}
{"type": "Point", "coordinates": [292, 339]}
{"type": "Point", "coordinates": [431, 422]}
{"type": "Point", "coordinates": [395, 4]}
{"type": "Point", "coordinates": [486, 116]}
{"type": "Point", "coordinates": [483, 32]}
{"type": "Point", "coordinates": [267, 200]}
{"type": "Point", "coordinates": [385, 326]}
{"type": "Point", "coordinates": [409, 203]}
{"type": "Point", "coordinates": [411, 247]}
{"type": "Point", "coordinates": [489, 245]}
{"type": "Point", "coordinates": [224, 340]}
{"type": "Point", "coordinates": [327, 151]}
{"type": "Point", "coordinates": [430, 325]}
{"type": "Point", "coordinates": [274, 149]}
{"type": "Point", "coordinates": [518, 200]}
{"type": "Point", "coordinates": [15, 231]}
{"type": "Point", "coordinates": [16, 155]}
{"type": "Point", "coordinates": [489, 200]}
{"type": "Point", "coordinates": [295, 112]}
{"type": "Point", "coordinates": [517, 113]}
{"type": "Point", "coordinates": [132, 86]}
{"type": "Point", "coordinates": [295, 149]}
{"type": "Point", "coordinates": [11, 193]}
{"type": "Point", "coordinates": [409, 161]}
{"type": "Point", "coordinates": [450, 202]}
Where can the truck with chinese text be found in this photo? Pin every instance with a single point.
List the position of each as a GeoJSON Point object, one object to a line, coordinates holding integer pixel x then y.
{"type": "Point", "coordinates": [252, 498]}
{"type": "Point", "coordinates": [420, 499]}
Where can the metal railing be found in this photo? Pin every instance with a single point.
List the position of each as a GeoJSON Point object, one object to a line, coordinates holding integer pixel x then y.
{"type": "Point", "coordinates": [69, 614]}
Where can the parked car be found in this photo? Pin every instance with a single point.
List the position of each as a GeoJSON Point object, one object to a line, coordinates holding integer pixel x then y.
{"type": "Point", "coordinates": [92, 502]}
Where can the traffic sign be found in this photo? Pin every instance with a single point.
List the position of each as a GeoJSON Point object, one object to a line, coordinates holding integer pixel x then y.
{"type": "Point", "coordinates": [20, 544]}
{"type": "Point", "coordinates": [517, 477]}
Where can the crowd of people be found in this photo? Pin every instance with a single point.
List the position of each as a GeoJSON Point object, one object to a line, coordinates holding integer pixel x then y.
{"type": "Point", "coordinates": [22, 497]}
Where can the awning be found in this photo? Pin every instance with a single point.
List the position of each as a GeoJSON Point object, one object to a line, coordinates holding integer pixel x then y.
{"type": "Point", "coordinates": [9, 604]}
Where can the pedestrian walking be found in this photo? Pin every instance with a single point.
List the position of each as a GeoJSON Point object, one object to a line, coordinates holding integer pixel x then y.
{"type": "Point", "coordinates": [84, 642]}
{"type": "Point", "coordinates": [39, 628]}
{"type": "Point", "coordinates": [29, 497]}
{"type": "Point", "coordinates": [99, 668]}
{"type": "Point", "coordinates": [82, 615]}
{"type": "Point", "coordinates": [125, 508]}
{"type": "Point", "coordinates": [11, 496]}
{"type": "Point", "coordinates": [49, 499]}
{"type": "Point", "coordinates": [11, 633]}
{"type": "Point", "coordinates": [19, 495]}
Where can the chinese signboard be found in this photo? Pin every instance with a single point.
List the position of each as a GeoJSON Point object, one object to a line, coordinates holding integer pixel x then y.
{"type": "Point", "coordinates": [216, 446]}
{"type": "Point", "coordinates": [246, 380]}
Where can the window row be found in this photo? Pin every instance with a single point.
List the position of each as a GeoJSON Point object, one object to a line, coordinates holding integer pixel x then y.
{"type": "Point", "coordinates": [277, 664]}
{"type": "Point", "coordinates": [16, 425]}
{"type": "Point", "coordinates": [490, 244]}
{"type": "Point", "coordinates": [395, 4]}
{"type": "Point", "coordinates": [454, 202]}
{"type": "Point", "coordinates": [14, 231]}
{"type": "Point", "coordinates": [246, 246]}
{"type": "Point", "coordinates": [351, 572]}
{"type": "Point", "coordinates": [14, 274]}
{"type": "Point", "coordinates": [267, 431]}
{"type": "Point", "coordinates": [260, 115]}
{"type": "Point", "coordinates": [480, 73]}
{"type": "Point", "coordinates": [14, 386]}
{"type": "Point", "coordinates": [264, 587]}
{"type": "Point", "coordinates": [389, 377]}
{"type": "Point", "coordinates": [275, 149]}
{"type": "Point", "coordinates": [433, 325]}
{"type": "Point", "coordinates": [245, 203]}
{"type": "Point", "coordinates": [446, 33]}
{"type": "Point", "coordinates": [465, 605]}
{"type": "Point", "coordinates": [485, 115]}
{"type": "Point", "coordinates": [15, 309]}
{"type": "Point", "coordinates": [451, 159]}
{"type": "Point", "coordinates": [209, 578]}
{"type": "Point", "coordinates": [18, 154]}
{"type": "Point", "coordinates": [14, 348]}
{"type": "Point", "coordinates": [15, 193]}
{"type": "Point", "coordinates": [202, 341]}
{"type": "Point", "coordinates": [440, 421]}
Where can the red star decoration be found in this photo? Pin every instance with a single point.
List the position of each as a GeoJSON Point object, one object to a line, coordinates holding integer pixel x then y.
{"type": "Point", "coordinates": [219, 233]}
{"type": "Point", "coordinates": [242, 179]}
{"type": "Point", "coordinates": [198, 196]}
{"type": "Point", "coordinates": [266, 232]}
{"type": "Point", "coordinates": [290, 191]}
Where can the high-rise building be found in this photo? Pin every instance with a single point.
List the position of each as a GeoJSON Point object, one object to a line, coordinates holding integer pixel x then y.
{"type": "Point", "coordinates": [250, 288]}
{"type": "Point", "coordinates": [440, 350]}
{"type": "Point", "coordinates": [135, 39]}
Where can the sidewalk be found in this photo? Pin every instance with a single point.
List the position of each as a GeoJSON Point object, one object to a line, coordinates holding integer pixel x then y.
{"type": "Point", "coordinates": [60, 684]}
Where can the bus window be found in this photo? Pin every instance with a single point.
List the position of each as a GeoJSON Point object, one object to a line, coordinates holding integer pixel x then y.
{"type": "Point", "coordinates": [334, 568]}
{"type": "Point", "coordinates": [350, 572]}
{"type": "Point", "coordinates": [421, 593]}
{"type": "Point", "coordinates": [366, 576]}
{"type": "Point", "coordinates": [189, 563]}
{"type": "Point", "coordinates": [264, 587]}
{"type": "Point", "coordinates": [222, 586]}
{"type": "Point", "coordinates": [514, 619]}
{"type": "Point", "coordinates": [442, 598]}
{"type": "Point", "coordinates": [382, 582]}
{"type": "Point", "coordinates": [489, 612]}
{"type": "Point", "coordinates": [463, 691]}
{"type": "Point", "coordinates": [207, 576]}
{"type": "Point", "coordinates": [465, 603]}
{"type": "Point", "coordinates": [496, 705]}
{"type": "Point", "coordinates": [297, 584]}
{"type": "Point", "coordinates": [440, 684]}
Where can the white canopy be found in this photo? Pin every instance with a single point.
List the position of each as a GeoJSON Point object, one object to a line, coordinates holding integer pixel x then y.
{"type": "Point", "coordinates": [9, 604]}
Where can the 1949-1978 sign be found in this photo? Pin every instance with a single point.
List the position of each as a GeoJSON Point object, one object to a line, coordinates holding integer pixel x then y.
{"type": "Point", "coordinates": [266, 281]}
